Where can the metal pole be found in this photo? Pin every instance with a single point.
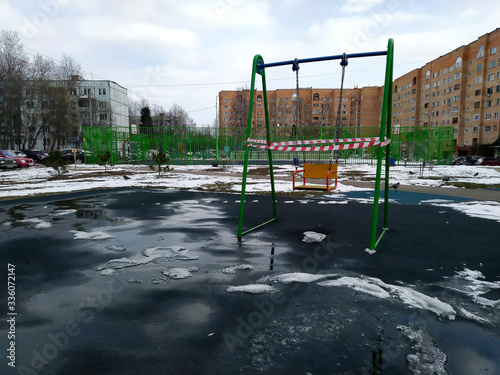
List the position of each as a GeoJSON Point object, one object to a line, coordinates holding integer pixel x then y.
{"type": "Point", "coordinates": [385, 120]}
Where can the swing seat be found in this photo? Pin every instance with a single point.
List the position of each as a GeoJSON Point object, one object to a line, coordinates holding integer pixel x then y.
{"type": "Point", "coordinates": [317, 171]}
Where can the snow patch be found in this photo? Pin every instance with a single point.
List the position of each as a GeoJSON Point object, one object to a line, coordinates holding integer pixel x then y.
{"type": "Point", "coordinates": [153, 254]}
{"type": "Point", "coordinates": [253, 289]}
{"type": "Point", "coordinates": [427, 357]}
{"type": "Point", "coordinates": [408, 296]}
{"type": "Point", "coordinates": [177, 273]}
{"type": "Point", "coordinates": [80, 235]}
{"type": "Point", "coordinates": [311, 237]}
{"type": "Point", "coordinates": [239, 267]}
{"type": "Point", "coordinates": [296, 277]}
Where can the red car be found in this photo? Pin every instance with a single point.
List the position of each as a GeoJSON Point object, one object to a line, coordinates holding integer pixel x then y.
{"type": "Point", "coordinates": [490, 161]}
{"type": "Point", "coordinates": [21, 162]}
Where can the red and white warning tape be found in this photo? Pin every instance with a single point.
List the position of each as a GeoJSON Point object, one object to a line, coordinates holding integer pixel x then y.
{"type": "Point", "coordinates": [347, 146]}
{"type": "Point", "coordinates": [309, 142]}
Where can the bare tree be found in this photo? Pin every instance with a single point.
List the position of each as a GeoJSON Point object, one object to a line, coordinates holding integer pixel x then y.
{"type": "Point", "coordinates": [178, 117]}
{"type": "Point", "coordinates": [13, 66]}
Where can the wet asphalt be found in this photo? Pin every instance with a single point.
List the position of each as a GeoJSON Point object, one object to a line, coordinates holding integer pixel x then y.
{"type": "Point", "coordinates": [70, 319]}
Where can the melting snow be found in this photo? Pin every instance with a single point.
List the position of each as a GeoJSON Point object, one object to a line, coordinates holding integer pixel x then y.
{"type": "Point", "coordinates": [239, 267]}
{"type": "Point", "coordinates": [486, 210]}
{"type": "Point", "coordinates": [176, 273]}
{"type": "Point", "coordinates": [252, 288]}
{"type": "Point", "coordinates": [80, 235]}
{"type": "Point", "coordinates": [153, 254]}
{"type": "Point", "coordinates": [427, 357]}
{"type": "Point", "coordinates": [116, 248]}
{"type": "Point", "coordinates": [311, 237]}
{"type": "Point", "coordinates": [410, 297]}
{"type": "Point", "coordinates": [296, 277]}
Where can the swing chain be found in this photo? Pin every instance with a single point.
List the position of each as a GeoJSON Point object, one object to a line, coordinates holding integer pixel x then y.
{"type": "Point", "coordinates": [343, 63]}
{"type": "Point", "coordinates": [298, 111]}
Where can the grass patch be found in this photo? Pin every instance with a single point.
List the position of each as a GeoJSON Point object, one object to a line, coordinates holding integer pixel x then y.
{"type": "Point", "coordinates": [218, 187]}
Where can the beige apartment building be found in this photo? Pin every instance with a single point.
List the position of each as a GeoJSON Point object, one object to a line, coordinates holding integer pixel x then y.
{"type": "Point", "coordinates": [360, 107]}
{"type": "Point", "coordinates": [459, 89]}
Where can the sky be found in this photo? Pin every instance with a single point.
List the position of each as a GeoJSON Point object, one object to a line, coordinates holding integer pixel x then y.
{"type": "Point", "coordinates": [185, 52]}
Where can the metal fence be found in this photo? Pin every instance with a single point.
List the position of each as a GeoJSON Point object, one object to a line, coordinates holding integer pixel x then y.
{"type": "Point", "coordinates": [206, 145]}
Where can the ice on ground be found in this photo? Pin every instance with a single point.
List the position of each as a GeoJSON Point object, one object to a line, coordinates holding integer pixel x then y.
{"type": "Point", "coordinates": [359, 285]}
{"type": "Point", "coordinates": [468, 315]}
{"type": "Point", "coordinates": [170, 253]}
{"type": "Point", "coordinates": [177, 273]}
{"type": "Point", "coordinates": [239, 267]}
{"type": "Point", "coordinates": [37, 223]}
{"type": "Point", "coordinates": [253, 289]}
{"type": "Point", "coordinates": [311, 237]}
{"type": "Point", "coordinates": [435, 201]}
{"type": "Point", "coordinates": [485, 210]}
{"type": "Point", "coordinates": [410, 297]}
{"type": "Point", "coordinates": [468, 282]}
{"type": "Point", "coordinates": [295, 277]}
{"type": "Point", "coordinates": [63, 212]}
{"type": "Point", "coordinates": [427, 357]}
{"type": "Point", "coordinates": [116, 248]}
{"type": "Point", "coordinates": [80, 235]}
{"type": "Point", "coordinates": [153, 254]}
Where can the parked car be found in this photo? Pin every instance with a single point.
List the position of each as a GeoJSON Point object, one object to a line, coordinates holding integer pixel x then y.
{"type": "Point", "coordinates": [467, 160]}
{"type": "Point", "coordinates": [67, 154]}
{"type": "Point", "coordinates": [19, 153]}
{"type": "Point", "coordinates": [490, 161]}
{"type": "Point", "coordinates": [37, 155]}
{"type": "Point", "coordinates": [6, 163]}
{"type": "Point", "coordinates": [21, 162]}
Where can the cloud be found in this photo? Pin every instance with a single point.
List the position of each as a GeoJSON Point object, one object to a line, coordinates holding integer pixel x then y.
{"type": "Point", "coordinates": [359, 6]}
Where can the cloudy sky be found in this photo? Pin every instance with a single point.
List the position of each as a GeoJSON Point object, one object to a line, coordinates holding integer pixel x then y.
{"type": "Point", "coordinates": [185, 52]}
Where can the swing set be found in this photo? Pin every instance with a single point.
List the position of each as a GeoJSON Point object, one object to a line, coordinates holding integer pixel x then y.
{"type": "Point", "coordinates": [316, 170]}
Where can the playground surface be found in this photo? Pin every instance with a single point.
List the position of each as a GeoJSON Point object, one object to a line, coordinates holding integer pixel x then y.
{"type": "Point", "coordinates": [136, 281]}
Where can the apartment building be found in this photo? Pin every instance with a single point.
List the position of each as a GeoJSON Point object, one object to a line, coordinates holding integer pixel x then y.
{"type": "Point", "coordinates": [459, 89]}
{"type": "Point", "coordinates": [88, 103]}
{"type": "Point", "coordinates": [360, 107]}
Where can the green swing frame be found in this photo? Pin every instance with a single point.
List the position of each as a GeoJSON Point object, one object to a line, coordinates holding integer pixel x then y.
{"type": "Point", "coordinates": [258, 68]}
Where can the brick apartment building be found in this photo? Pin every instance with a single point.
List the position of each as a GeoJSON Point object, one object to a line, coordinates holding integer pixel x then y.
{"type": "Point", "coordinates": [459, 89]}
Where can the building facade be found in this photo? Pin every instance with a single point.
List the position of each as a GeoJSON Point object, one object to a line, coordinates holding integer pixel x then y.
{"type": "Point", "coordinates": [459, 89]}
{"type": "Point", "coordinates": [53, 116]}
{"type": "Point", "coordinates": [313, 108]}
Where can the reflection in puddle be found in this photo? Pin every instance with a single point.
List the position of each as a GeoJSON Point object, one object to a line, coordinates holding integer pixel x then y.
{"type": "Point", "coordinates": [195, 312]}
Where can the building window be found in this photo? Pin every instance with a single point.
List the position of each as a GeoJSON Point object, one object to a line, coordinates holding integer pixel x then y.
{"type": "Point", "coordinates": [488, 103]}
{"type": "Point", "coordinates": [477, 104]}
{"type": "Point", "coordinates": [477, 92]}
{"type": "Point", "coordinates": [487, 129]}
{"type": "Point", "coordinates": [491, 65]}
{"type": "Point", "coordinates": [102, 91]}
{"type": "Point", "coordinates": [259, 98]}
{"type": "Point", "coordinates": [475, 118]}
{"type": "Point", "coordinates": [479, 67]}
{"type": "Point", "coordinates": [489, 90]}
{"type": "Point", "coordinates": [458, 63]}
{"type": "Point", "coordinates": [458, 75]}
{"type": "Point", "coordinates": [480, 53]}
{"type": "Point", "coordinates": [493, 50]}
{"type": "Point", "coordinates": [103, 116]}
{"type": "Point", "coordinates": [488, 116]}
{"type": "Point", "coordinates": [316, 96]}
{"type": "Point", "coordinates": [428, 74]}
{"type": "Point", "coordinates": [491, 77]}
{"type": "Point", "coordinates": [475, 129]}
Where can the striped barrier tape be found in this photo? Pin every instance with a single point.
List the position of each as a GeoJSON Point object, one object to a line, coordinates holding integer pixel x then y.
{"type": "Point", "coordinates": [348, 146]}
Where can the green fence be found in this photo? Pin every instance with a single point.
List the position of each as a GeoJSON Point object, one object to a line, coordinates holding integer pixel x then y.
{"type": "Point", "coordinates": [207, 145]}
